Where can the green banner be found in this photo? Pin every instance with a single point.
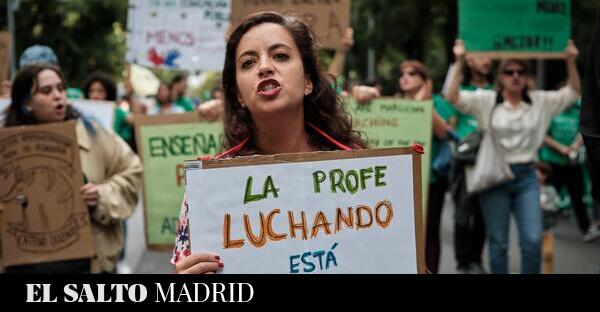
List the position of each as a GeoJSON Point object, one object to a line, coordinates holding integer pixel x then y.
{"type": "Point", "coordinates": [164, 148]}
{"type": "Point", "coordinates": [526, 26]}
{"type": "Point", "coordinates": [394, 122]}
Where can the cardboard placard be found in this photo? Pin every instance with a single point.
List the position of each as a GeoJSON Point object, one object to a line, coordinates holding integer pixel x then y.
{"type": "Point", "coordinates": [183, 35]}
{"type": "Point", "coordinates": [5, 40]}
{"type": "Point", "coordinates": [164, 143]}
{"type": "Point", "coordinates": [323, 212]}
{"type": "Point", "coordinates": [44, 218]}
{"type": "Point", "coordinates": [328, 19]}
{"type": "Point", "coordinates": [102, 112]}
{"type": "Point", "coordinates": [515, 28]}
{"type": "Point", "coordinates": [395, 122]}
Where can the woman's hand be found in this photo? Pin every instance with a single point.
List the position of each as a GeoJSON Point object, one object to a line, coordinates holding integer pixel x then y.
{"type": "Point", "coordinates": [211, 110]}
{"type": "Point", "coordinates": [459, 50]}
{"type": "Point", "coordinates": [571, 51]}
{"type": "Point", "coordinates": [90, 194]}
{"type": "Point", "coordinates": [199, 263]}
{"type": "Point", "coordinates": [348, 39]}
{"type": "Point", "coordinates": [364, 94]}
{"type": "Point", "coordinates": [425, 92]}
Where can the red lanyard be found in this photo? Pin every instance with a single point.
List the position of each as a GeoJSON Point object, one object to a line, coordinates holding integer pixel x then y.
{"type": "Point", "coordinates": [240, 146]}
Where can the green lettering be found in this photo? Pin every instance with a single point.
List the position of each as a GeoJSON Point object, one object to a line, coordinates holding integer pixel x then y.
{"type": "Point", "coordinates": [379, 175]}
{"type": "Point", "coordinates": [364, 175]}
{"type": "Point", "coordinates": [157, 147]}
{"type": "Point", "coordinates": [318, 178]}
{"type": "Point", "coordinates": [352, 188]}
{"type": "Point", "coordinates": [336, 184]}
{"type": "Point", "coordinates": [186, 146]}
{"type": "Point", "coordinates": [249, 197]}
{"type": "Point", "coordinates": [269, 187]}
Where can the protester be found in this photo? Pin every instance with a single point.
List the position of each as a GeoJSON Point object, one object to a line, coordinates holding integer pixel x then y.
{"type": "Point", "coordinates": [276, 101]}
{"type": "Point", "coordinates": [163, 104]}
{"type": "Point", "coordinates": [549, 203]}
{"type": "Point", "coordinates": [111, 169]}
{"type": "Point", "coordinates": [177, 88]}
{"type": "Point", "coordinates": [517, 120]}
{"type": "Point", "coordinates": [562, 150]}
{"type": "Point", "coordinates": [213, 109]}
{"type": "Point", "coordinates": [469, 228]}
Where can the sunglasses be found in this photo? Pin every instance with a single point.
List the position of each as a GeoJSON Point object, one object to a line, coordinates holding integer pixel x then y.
{"type": "Point", "coordinates": [512, 72]}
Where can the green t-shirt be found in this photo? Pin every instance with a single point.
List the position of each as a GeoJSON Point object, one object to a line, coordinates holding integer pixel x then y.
{"type": "Point", "coordinates": [186, 104]}
{"type": "Point", "coordinates": [465, 124]}
{"type": "Point", "coordinates": [121, 127]}
{"type": "Point", "coordinates": [564, 129]}
{"type": "Point", "coordinates": [446, 111]}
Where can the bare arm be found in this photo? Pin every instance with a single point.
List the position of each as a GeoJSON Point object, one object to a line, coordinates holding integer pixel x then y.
{"type": "Point", "coordinates": [336, 68]}
{"type": "Point", "coordinates": [550, 142]}
{"type": "Point", "coordinates": [459, 54]}
{"type": "Point", "coordinates": [573, 78]}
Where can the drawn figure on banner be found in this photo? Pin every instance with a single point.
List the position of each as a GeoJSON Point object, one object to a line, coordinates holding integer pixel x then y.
{"type": "Point", "coordinates": [23, 184]}
{"type": "Point", "coordinates": [166, 60]}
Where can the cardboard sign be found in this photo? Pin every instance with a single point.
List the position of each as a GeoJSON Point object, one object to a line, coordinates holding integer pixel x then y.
{"type": "Point", "coordinates": [394, 122]}
{"type": "Point", "coordinates": [102, 112]}
{"type": "Point", "coordinates": [322, 212]}
{"type": "Point", "coordinates": [328, 19]}
{"type": "Point", "coordinates": [5, 39]}
{"type": "Point", "coordinates": [185, 35]}
{"type": "Point", "coordinates": [164, 143]}
{"type": "Point", "coordinates": [44, 217]}
{"type": "Point", "coordinates": [515, 28]}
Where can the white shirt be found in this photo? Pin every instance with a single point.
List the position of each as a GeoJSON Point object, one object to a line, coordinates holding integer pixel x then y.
{"type": "Point", "coordinates": [519, 130]}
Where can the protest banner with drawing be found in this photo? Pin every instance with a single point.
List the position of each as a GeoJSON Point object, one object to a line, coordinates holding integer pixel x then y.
{"type": "Point", "coordinates": [164, 143]}
{"type": "Point", "coordinates": [183, 35]}
{"type": "Point", "coordinates": [328, 19]}
{"type": "Point", "coordinates": [323, 212]}
{"type": "Point", "coordinates": [515, 28]}
{"type": "Point", "coordinates": [44, 217]}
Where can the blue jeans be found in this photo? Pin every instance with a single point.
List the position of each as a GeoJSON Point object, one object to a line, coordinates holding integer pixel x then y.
{"type": "Point", "coordinates": [522, 196]}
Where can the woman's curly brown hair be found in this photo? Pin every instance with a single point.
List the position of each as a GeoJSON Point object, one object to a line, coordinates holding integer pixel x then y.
{"type": "Point", "coordinates": [322, 107]}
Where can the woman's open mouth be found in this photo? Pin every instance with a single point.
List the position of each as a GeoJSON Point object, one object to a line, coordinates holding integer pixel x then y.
{"type": "Point", "coordinates": [269, 88]}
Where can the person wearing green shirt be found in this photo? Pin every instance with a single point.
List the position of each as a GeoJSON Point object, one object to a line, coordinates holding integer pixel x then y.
{"type": "Point", "coordinates": [178, 88]}
{"type": "Point", "coordinates": [562, 150]}
{"type": "Point", "coordinates": [469, 227]}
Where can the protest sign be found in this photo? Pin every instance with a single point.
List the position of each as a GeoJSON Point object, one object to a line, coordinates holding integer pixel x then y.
{"type": "Point", "coordinates": [515, 28]}
{"type": "Point", "coordinates": [44, 217]}
{"type": "Point", "coordinates": [185, 35]}
{"type": "Point", "coordinates": [395, 122]}
{"type": "Point", "coordinates": [322, 212]}
{"type": "Point", "coordinates": [102, 112]}
{"type": "Point", "coordinates": [4, 55]}
{"type": "Point", "coordinates": [4, 103]}
{"type": "Point", "coordinates": [328, 19]}
{"type": "Point", "coordinates": [164, 143]}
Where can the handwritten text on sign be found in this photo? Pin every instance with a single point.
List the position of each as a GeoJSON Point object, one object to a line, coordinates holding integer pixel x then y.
{"type": "Point", "coordinates": [165, 143]}
{"type": "Point", "coordinates": [327, 18]}
{"type": "Point", "coordinates": [327, 216]}
{"type": "Point", "coordinates": [170, 34]}
{"type": "Point", "coordinates": [515, 25]}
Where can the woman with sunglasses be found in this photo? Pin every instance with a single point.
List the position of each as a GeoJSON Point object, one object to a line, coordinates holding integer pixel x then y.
{"type": "Point", "coordinates": [518, 120]}
{"type": "Point", "coordinates": [277, 100]}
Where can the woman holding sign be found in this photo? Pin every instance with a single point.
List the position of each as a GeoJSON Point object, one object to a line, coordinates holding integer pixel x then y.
{"type": "Point", "coordinates": [517, 120]}
{"type": "Point", "coordinates": [111, 170]}
{"type": "Point", "coordinates": [276, 101]}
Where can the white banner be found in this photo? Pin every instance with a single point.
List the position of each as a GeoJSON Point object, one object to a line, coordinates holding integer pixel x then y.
{"type": "Point", "coordinates": [102, 112]}
{"type": "Point", "coordinates": [326, 216]}
{"type": "Point", "coordinates": [177, 34]}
